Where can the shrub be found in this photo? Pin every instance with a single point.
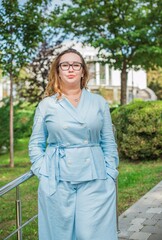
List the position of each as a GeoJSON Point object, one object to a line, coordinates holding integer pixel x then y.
{"type": "Point", "coordinates": [23, 118]}
{"type": "Point", "coordinates": [139, 130]}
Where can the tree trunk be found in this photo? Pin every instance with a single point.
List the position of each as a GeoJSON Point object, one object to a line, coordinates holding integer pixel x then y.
{"type": "Point", "coordinates": [123, 99]}
{"type": "Point", "coordinates": [11, 123]}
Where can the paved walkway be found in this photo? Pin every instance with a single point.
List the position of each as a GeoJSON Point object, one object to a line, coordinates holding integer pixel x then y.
{"type": "Point", "coordinates": [143, 220]}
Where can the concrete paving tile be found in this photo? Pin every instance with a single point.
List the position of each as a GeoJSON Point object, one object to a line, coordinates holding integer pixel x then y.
{"type": "Point", "coordinates": [139, 209]}
{"type": "Point", "coordinates": [129, 216]}
{"type": "Point", "coordinates": [148, 229]}
{"type": "Point", "coordinates": [152, 229]}
{"type": "Point", "coordinates": [157, 202]}
{"type": "Point", "coordinates": [138, 220]}
{"type": "Point", "coordinates": [159, 223]}
{"type": "Point", "coordinates": [157, 216]}
{"type": "Point", "coordinates": [160, 204]}
{"type": "Point", "coordinates": [157, 195]}
{"type": "Point", "coordinates": [125, 234]}
{"type": "Point", "coordinates": [148, 199]}
{"type": "Point", "coordinates": [155, 237]}
{"type": "Point", "coordinates": [142, 203]}
{"type": "Point", "coordinates": [154, 210]}
{"type": "Point", "coordinates": [129, 211]}
{"type": "Point", "coordinates": [135, 228]}
{"type": "Point", "coordinates": [150, 222]}
{"type": "Point", "coordinates": [140, 236]}
{"type": "Point", "coordinates": [123, 227]}
{"type": "Point", "coordinates": [125, 220]}
{"type": "Point", "coordinates": [146, 215]}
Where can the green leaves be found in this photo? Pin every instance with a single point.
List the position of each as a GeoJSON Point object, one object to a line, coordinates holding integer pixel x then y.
{"type": "Point", "coordinates": [21, 30]}
{"type": "Point", "coordinates": [23, 118]}
{"type": "Point", "coordinates": [121, 28]}
{"type": "Point", "coordinates": [139, 129]}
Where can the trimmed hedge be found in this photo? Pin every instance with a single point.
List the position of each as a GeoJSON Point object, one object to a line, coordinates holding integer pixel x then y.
{"type": "Point", "coordinates": [139, 130]}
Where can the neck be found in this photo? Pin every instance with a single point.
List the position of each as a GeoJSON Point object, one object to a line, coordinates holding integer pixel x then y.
{"type": "Point", "coordinates": [71, 92]}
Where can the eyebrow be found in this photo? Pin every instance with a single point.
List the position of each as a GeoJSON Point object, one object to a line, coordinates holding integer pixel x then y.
{"type": "Point", "coordinates": [71, 61]}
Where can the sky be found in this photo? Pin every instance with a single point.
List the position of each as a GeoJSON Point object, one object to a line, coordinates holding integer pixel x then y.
{"type": "Point", "coordinates": [53, 1]}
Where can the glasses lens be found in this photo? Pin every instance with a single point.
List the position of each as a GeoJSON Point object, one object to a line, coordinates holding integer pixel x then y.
{"type": "Point", "coordinates": [64, 66]}
{"type": "Point", "coordinates": [76, 66]}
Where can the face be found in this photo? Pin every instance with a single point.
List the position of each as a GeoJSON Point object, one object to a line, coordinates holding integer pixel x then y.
{"type": "Point", "coordinates": [70, 78]}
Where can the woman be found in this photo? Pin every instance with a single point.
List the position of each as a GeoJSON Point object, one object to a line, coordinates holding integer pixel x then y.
{"type": "Point", "coordinates": [74, 155]}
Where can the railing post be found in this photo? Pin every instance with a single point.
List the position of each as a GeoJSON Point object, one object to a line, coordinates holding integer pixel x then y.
{"type": "Point", "coordinates": [8, 187]}
{"type": "Point", "coordinates": [117, 217]}
{"type": "Point", "coordinates": [18, 214]}
{"type": "Point", "coordinates": [116, 185]}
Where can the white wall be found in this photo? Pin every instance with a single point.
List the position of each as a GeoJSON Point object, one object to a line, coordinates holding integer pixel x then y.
{"type": "Point", "coordinates": [135, 78]}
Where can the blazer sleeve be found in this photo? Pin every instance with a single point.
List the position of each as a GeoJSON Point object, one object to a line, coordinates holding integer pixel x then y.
{"type": "Point", "coordinates": [109, 145]}
{"type": "Point", "coordinates": [37, 142]}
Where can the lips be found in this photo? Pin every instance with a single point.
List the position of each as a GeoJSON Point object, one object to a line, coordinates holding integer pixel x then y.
{"type": "Point", "coordinates": [71, 76]}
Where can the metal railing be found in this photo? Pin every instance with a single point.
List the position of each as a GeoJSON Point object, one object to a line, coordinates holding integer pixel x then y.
{"type": "Point", "coordinates": [116, 184]}
{"type": "Point", "coordinates": [117, 215]}
{"type": "Point", "coordinates": [8, 187]}
{"type": "Point", "coordinates": [15, 184]}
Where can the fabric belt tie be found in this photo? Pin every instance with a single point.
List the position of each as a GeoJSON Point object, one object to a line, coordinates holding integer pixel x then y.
{"type": "Point", "coordinates": [54, 170]}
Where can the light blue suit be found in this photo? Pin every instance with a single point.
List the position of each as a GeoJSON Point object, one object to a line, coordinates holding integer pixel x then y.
{"type": "Point", "coordinates": [74, 154]}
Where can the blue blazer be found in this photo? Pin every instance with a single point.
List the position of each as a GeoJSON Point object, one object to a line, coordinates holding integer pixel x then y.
{"type": "Point", "coordinates": [73, 143]}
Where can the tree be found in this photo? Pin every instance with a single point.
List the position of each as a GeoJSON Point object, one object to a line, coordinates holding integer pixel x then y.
{"type": "Point", "coordinates": [124, 30]}
{"type": "Point", "coordinates": [32, 81]}
{"type": "Point", "coordinates": [154, 75]}
{"type": "Point", "coordinates": [21, 30]}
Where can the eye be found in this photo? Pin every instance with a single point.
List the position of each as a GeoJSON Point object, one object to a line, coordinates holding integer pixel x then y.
{"type": "Point", "coordinates": [76, 64]}
{"type": "Point", "coordinates": [64, 64]}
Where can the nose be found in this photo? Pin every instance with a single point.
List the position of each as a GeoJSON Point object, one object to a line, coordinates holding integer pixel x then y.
{"type": "Point", "coordinates": [70, 67]}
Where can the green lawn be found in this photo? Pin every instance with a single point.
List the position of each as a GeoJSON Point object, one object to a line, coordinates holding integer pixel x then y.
{"type": "Point", "coordinates": [134, 181]}
{"type": "Point", "coordinates": [28, 194]}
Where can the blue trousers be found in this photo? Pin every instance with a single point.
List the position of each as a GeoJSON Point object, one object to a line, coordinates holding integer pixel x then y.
{"type": "Point", "coordinates": [82, 211]}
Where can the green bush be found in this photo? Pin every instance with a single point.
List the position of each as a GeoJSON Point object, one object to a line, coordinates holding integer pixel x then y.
{"type": "Point", "coordinates": [139, 130]}
{"type": "Point", "coordinates": [23, 119]}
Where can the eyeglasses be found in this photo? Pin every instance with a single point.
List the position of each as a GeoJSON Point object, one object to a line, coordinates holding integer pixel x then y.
{"type": "Point", "coordinates": [76, 66]}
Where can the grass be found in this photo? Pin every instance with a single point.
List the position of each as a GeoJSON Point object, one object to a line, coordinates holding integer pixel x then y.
{"type": "Point", "coordinates": [134, 181]}
{"type": "Point", "coordinates": [28, 194]}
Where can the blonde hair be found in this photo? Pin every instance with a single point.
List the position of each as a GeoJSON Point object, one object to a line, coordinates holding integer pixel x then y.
{"type": "Point", "coordinates": [54, 85]}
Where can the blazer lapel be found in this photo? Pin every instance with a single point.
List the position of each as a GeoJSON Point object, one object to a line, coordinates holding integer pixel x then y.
{"type": "Point", "coordinates": [79, 112]}
{"type": "Point", "coordinates": [84, 104]}
{"type": "Point", "coordinates": [70, 109]}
